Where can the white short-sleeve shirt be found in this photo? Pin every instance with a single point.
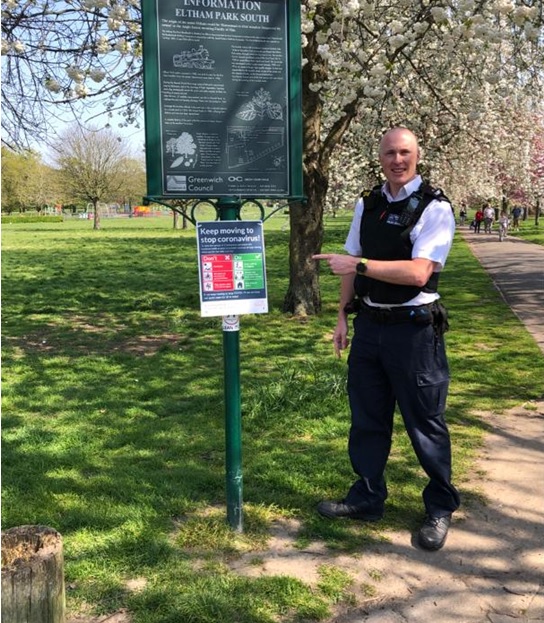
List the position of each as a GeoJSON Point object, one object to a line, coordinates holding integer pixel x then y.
{"type": "Point", "coordinates": [431, 237]}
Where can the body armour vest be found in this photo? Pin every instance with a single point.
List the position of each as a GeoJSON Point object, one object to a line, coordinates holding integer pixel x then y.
{"type": "Point", "coordinates": [385, 235]}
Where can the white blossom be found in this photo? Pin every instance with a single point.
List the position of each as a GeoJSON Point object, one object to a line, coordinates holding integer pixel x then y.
{"type": "Point", "coordinates": [114, 24]}
{"type": "Point", "coordinates": [368, 9]}
{"type": "Point", "coordinates": [133, 27]}
{"type": "Point", "coordinates": [52, 85]}
{"type": "Point", "coordinates": [307, 26]}
{"type": "Point", "coordinates": [439, 14]}
{"type": "Point", "coordinates": [352, 6]}
{"type": "Point", "coordinates": [18, 46]}
{"type": "Point", "coordinates": [102, 45]}
{"type": "Point", "coordinates": [75, 73]}
{"type": "Point", "coordinates": [531, 32]}
{"type": "Point", "coordinates": [95, 4]}
{"type": "Point", "coordinates": [321, 37]}
{"type": "Point", "coordinates": [420, 27]}
{"type": "Point", "coordinates": [97, 75]}
{"type": "Point", "coordinates": [504, 7]}
{"type": "Point", "coordinates": [122, 46]}
{"type": "Point", "coordinates": [81, 90]}
{"type": "Point", "coordinates": [324, 51]}
{"type": "Point", "coordinates": [378, 70]}
{"type": "Point", "coordinates": [118, 11]}
{"type": "Point", "coordinates": [397, 41]}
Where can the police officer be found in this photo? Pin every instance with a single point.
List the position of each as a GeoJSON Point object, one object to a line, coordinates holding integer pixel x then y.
{"type": "Point", "coordinates": [397, 245]}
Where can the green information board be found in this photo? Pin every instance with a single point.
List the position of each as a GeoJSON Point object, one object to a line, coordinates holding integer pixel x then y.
{"type": "Point", "coordinates": [222, 98]}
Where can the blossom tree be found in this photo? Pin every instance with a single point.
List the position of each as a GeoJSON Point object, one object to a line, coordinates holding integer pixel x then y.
{"type": "Point", "coordinates": [62, 57]}
{"type": "Point", "coordinates": [442, 68]}
{"type": "Point", "coordinates": [445, 68]}
{"type": "Point", "coordinates": [537, 171]}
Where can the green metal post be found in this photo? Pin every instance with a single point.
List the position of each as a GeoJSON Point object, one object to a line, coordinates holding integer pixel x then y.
{"type": "Point", "coordinates": [229, 210]}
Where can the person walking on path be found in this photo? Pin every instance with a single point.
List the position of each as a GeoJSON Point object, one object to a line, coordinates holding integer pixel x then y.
{"type": "Point", "coordinates": [478, 218]}
{"type": "Point", "coordinates": [462, 213]}
{"type": "Point", "coordinates": [503, 225]}
{"type": "Point", "coordinates": [397, 245]}
{"type": "Point", "coordinates": [516, 213]}
{"type": "Point", "coordinates": [489, 217]}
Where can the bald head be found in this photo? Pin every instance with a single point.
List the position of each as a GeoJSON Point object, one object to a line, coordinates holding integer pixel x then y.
{"type": "Point", "coordinates": [399, 155]}
{"type": "Point", "coordinates": [397, 134]}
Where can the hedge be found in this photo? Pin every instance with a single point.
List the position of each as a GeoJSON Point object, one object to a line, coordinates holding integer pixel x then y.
{"type": "Point", "coordinates": [32, 219]}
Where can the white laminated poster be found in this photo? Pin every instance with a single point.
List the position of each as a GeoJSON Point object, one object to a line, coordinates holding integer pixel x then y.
{"type": "Point", "coordinates": [231, 264]}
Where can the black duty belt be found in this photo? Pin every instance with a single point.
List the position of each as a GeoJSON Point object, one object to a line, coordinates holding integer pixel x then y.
{"type": "Point", "coordinates": [419, 314]}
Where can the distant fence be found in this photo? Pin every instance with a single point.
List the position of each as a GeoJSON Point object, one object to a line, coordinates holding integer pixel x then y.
{"type": "Point", "coordinates": [116, 211]}
{"type": "Point", "coordinates": [68, 212]}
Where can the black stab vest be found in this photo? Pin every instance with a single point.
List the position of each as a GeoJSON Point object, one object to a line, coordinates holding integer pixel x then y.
{"type": "Point", "coordinates": [385, 235]}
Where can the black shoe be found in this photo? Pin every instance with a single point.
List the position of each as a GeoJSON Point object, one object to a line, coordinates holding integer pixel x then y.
{"type": "Point", "coordinates": [434, 531]}
{"type": "Point", "coordinates": [333, 510]}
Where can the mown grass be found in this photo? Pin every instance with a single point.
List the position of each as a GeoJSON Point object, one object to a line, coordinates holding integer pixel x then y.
{"type": "Point", "coordinates": [530, 231]}
{"type": "Point", "coordinates": [113, 418]}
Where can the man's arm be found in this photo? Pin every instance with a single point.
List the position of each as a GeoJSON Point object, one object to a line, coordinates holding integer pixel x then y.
{"type": "Point", "coordinates": [340, 337]}
{"type": "Point", "coordinates": [414, 272]}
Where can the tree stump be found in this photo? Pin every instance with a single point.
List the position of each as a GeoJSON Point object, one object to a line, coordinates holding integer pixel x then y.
{"type": "Point", "coordinates": [32, 575]}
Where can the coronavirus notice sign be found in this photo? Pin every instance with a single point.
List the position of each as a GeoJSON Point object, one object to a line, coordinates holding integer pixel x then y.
{"type": "Point", "coordinates": [222, 98]}
{"type": "Point", "coordinates": [231, 268]}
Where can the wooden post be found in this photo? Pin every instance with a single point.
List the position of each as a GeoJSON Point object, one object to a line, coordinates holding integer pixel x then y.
{"type": "Point", "coordinates": [32, 575]}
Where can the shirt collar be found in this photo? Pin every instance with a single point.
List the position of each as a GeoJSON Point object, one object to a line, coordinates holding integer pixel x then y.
{"type": "Point", "coordinates": [405, 191]}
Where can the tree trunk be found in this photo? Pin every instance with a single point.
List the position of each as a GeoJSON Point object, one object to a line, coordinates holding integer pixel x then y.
{"type": "Point", "coordinates": [175, 214]}
{"type": "Point", "coordinates": [303, 295]}
{"type": "Point", "coordinates": [96, 215]}
{"type": "Point", "coordinates": [32, 575]}
{"type": "Point", "coordinates": [306, 237]}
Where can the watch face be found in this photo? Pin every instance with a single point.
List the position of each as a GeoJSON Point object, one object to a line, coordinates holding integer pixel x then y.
{"type": "Point", "coordinates": [361, 268]}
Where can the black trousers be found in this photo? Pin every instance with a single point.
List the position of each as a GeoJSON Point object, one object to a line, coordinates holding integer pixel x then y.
{"type": "Point", "coordinates": [402, 364]}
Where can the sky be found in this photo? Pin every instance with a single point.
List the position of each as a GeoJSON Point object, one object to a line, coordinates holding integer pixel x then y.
{"type": "Point", "coordinates": [132, 137]}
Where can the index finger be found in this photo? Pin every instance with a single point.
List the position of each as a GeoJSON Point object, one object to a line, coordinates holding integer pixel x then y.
{"type": "Point", "coordinates": [322, 256]}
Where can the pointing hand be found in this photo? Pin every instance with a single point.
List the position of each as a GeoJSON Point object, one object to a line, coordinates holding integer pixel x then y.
{"type": "Point", "coordinates": [339, 264]}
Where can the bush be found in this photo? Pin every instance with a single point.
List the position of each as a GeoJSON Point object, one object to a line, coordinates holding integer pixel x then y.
{"type": "Point", "coordinates": [23, 218]}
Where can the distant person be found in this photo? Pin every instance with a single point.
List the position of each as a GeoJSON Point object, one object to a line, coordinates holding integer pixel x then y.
{"type": "Point", "coordinates": [516, 213]}
{"type": "Point", "coordinates": [478, 218]}
{"type": "Point", "coordinates": [489, 217]}
{"type": "Point", "coordinates": [503, 225]}
{"type": "Point", "coordinates": [462, 213]}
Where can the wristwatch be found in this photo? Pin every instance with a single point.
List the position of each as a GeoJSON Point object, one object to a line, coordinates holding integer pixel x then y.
{"type": "Point", "coordinates": [361, 267]}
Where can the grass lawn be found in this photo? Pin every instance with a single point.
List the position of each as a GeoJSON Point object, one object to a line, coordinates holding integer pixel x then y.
{"type": "Point", "coordinates": [531, 232]}
{"type": "Point", "coordinates": [113, 417]}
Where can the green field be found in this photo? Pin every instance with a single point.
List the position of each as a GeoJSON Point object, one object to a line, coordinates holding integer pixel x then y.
{"type": "Point", "coordinates": [113, 417]}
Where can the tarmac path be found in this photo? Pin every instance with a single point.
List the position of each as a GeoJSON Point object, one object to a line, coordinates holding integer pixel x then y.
{"type": "Point", "coordinates": [517, 268]}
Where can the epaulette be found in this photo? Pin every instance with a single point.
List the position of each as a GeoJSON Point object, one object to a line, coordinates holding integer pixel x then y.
{"type": "Point", "coordinates": [436, 193]}
{"type": "Point", "coordinates": [376, 190]}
